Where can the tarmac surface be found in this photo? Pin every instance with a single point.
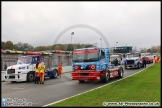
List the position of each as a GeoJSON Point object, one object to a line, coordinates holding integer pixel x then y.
{"type": "Point", "coordinates": [53, 89]}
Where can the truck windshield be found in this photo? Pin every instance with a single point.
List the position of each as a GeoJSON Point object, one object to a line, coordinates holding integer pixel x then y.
{"type": "Point", "coordinates": [113, 58]}
{"type": "Point", "coordinates": [85, 55]}
{"type": "Point", "coordinates": [24, 60]}
{"type": "Point", "coordinates": [132, 55]}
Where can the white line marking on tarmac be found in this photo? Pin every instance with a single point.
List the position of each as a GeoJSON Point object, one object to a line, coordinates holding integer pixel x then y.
{"type": "Point", "coordinates": [18, 88]}
{"type": "Point", "coordinates": [96, 88]}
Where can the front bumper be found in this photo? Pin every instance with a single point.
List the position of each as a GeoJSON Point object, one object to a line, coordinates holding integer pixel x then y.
{"type": "Point", "coordinates": [131, 66]}
{"type": "Point", "coordinates": [86, 75]}
{"type": "Point", "coordinates": [15, 77]}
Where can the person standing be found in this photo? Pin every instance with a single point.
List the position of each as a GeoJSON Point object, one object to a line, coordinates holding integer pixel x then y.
{"type": "Point", "coordinates": [60, 69]}
{"type": "Point", "coordinates": [144, 61]}
{"type": "Point", "coordinates": [37, 73]}
{"type": "Point", "coordinates": [116, 62]}
{"type": "Point", "coordinates": [157, 58]}
{"type": "Point", "coordinates": [42, 71]}
{"type": "Point", "coordinates": [5, 66]}
{"type": "Point", "coordinates": [125, 63]}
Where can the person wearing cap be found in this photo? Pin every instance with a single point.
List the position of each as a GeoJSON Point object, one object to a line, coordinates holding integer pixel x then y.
{"type": "Point", "coordinates": [42, 71]}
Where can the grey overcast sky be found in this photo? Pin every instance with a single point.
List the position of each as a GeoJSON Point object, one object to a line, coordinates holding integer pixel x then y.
{"type": "Point", "coordinates": [39, 23]}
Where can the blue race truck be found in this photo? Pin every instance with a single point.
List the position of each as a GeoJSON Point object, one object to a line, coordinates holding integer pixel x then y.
{"type": "Point", "coordinates": [93, 64]}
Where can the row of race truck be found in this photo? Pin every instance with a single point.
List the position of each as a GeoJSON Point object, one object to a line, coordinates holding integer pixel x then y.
{"type": "Point", "coordinates": [88, 64]}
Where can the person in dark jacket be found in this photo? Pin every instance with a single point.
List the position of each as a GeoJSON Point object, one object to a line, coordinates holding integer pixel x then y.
{"type": "Point", "coordinates": [144, 62]}
{"type": "Point", "coordinates": [116, 62]}
{"type": "Point", "coordinates": [5, 66]}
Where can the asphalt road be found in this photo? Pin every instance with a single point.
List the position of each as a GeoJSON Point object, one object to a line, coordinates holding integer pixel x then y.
{"type": "Point", "coordinates": [53, 89]}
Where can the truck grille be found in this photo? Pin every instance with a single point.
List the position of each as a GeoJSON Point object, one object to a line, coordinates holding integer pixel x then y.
{"type": "Point", "coordinates": [130, 62]}
{"type": "Point", "coordinates": [86, 68]}
{"type": "Point", "coordinates": [84, 74]}
{"type": "Point", "coordinates": [10, 71]}
{"type": "Point", "coordinates": [11, 77]}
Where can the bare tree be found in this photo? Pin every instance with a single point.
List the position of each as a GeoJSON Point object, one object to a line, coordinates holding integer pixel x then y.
{"type": "Point", "coordinates": [134, 49]}
{"type": "Point", "coordinates": [143, 50]}
{"type": "Point", "coordinates": [159, 49]}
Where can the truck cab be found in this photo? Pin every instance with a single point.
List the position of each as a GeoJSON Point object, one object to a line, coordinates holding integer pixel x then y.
{"type": "Point", "coordinates": [133, 60]}
{"type": "Point", "coordinates": [24, 69]}
{"type": "Point", "coordinates": [93, 64]}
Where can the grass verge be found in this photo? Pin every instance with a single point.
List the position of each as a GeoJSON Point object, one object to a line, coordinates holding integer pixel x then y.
{"type": "Point", "coordinates": [3, 81]}
{"type": "Point", "coordinates": [141, 87]}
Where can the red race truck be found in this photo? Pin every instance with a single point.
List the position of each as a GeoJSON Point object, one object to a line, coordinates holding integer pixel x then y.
{"type": "Point", "coordinates": [93, 64]}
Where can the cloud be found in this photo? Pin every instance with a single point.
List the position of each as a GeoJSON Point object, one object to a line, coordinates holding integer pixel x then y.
{"type": "Point", "coordinates": [39, 23]}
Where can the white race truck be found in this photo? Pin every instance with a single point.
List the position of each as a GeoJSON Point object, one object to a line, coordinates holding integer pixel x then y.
{"type": "Point", "coordinates": [24, 69]}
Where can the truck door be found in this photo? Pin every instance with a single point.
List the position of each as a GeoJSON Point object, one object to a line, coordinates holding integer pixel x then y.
{"type": "Point", "coordinates": [102, 54]}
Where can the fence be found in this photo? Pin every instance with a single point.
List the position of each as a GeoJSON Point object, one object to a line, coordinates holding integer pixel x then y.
{"type": "Point", "coordinates": [50, 62]}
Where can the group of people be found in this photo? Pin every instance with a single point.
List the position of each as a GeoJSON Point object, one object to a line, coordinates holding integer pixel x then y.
{"type": "Point", "coordinates": [40, 71]}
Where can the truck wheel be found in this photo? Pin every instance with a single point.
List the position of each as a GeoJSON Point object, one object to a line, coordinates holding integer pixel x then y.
{"type": "Point", "coordinates": [105, 78]}
{"type": "Point", "coordinates": [55, 73]}
{"type": "Point", "coordinates": [121, 73]}
{"type": "Point", "coordinates": [30, 77]}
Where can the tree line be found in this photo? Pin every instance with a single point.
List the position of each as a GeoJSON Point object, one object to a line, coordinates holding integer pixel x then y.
{"type": "Point", "coordinates": [66, 47]}
{"type": "Point", "coordinates": [9, 45]}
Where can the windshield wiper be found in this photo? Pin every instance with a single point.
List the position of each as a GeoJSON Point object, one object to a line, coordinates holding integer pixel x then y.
{"type": "Point", "coordinates": [91, 59]}
{"type": "Point", "coordinates": [86, 60]}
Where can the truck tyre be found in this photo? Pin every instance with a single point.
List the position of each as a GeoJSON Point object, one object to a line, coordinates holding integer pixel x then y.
{"type": "Point", "coordinates": [30, 76]}
{"type": "Point", "coordinates": [121, 73]}
{"type": "Point", "coordinates": [105, 78]}
{"type": "Point", "coordinates": [55, 73]}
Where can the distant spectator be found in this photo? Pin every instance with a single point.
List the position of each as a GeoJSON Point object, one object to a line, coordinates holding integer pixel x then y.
{"type": "Point", "coordinates": [144, 61]}
{"type": "Point", "coordinates": [116, 62]}
{"type": "Point", "coordinates": [60, 69]}
{"type": "Point", "coordinates": [5, 66]}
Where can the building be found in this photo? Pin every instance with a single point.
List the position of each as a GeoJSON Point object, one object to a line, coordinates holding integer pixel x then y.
{"type": "Point", "coordinates": [122, 49]}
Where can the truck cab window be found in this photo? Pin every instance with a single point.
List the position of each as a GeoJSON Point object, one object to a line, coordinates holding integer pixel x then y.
{"type": "Point", "coordinates": [102, 54]}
